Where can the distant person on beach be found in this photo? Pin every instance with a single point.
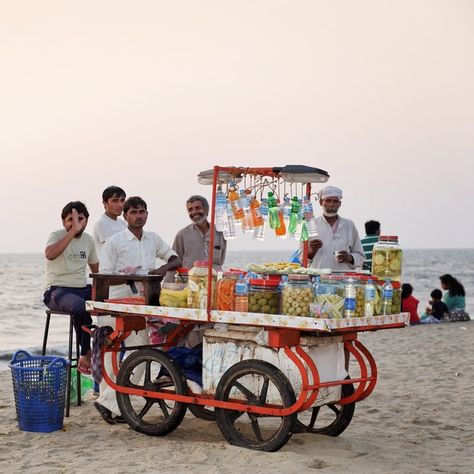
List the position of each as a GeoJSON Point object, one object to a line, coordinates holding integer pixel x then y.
{"type": "Point", "coordinates": [436, 309]}
{"type": "Point", "coordinates": [192, 242]}
{"type": "Point", "coordinates": [410, 303]}
{"type": "Point", "coordinates": [338, 244]}
{"type": "Point", "coordinates": [130, 251]}
{"type": "Point", "coordinates": [454, 298]}
{"type": "Point", "coordinates": [68, 252]}
{"type": "Point", "coordinates": [113, 199]}
{"type": "Point", "coordinates": [372, 232]}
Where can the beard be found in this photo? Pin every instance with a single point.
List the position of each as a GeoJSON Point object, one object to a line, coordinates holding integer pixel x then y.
{"type": "Point", "coordinates": [199, 219]}
{"type": "Point", "coordinates": [329, 213]}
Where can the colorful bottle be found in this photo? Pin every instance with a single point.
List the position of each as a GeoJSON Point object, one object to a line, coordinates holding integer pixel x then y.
{"type": "Point", "coordinates": [280, 231]}
{"type": "Point", "coordinates": [304, 231]}
{"type": "Point", "coordinates": [297, 234]}
{"type": "Point", "coordinates": [294, 210]}
{"type": "Point", "coordinates": [309, 218]}
{"type": "Point", "coordinates": [241, 295]}
{"type": "Point", "coordinates": [234, 201]}
{"type": "Point", "coordinates": [274, 218]}
{"type": "Point", "coordinates": [257, 218]}
{"type": "Point", "coordinates": [286, 211]}
{"type": "Point", "coordinates": [259, 232]}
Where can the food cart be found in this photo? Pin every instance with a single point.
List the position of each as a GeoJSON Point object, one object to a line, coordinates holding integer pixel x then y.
{"type": "Point", "coordinates": [264, 376]}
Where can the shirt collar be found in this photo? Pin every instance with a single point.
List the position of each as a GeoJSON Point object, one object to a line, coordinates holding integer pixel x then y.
{"type": "Point", "coordinates": [131, 236]}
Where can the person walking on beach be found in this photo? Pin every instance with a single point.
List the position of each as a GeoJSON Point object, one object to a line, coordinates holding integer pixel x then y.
{"type": "Point", "coordinates": [129, 251]}
{"type": "Point", "coordinates": [372, 232]}
{"type": "Point", "coordinates": [68, 252]}
{"type": "Point", "coordinates": [338, 245]}
{"type": "Point", "coordinates": [113, 199]}
{"type": "Point", "coordinates": [192, 242]}
{"type": "Point", "coordinates": [454, 298]}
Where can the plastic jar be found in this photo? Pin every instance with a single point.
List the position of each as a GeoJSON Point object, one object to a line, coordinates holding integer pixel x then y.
{"type": "Point", "coordinates": [296, 295]}
{"type": "Point", "coordinates": [396, 298]}
{"type": "Point", "coordinates": [198, 290]}
{"type": "Point", "coordinates": [329, 298]}
{"type": "Point", "coordinates": [264, 296]}
{"type": "Point", "coordinates": [387, 258]}
{"type": "Point", "coordinates": [181, 275]}
{"type": "Point", "coordinates": [226, 290]}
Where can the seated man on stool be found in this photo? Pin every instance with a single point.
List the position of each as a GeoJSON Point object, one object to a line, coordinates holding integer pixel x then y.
{"type": "Point", "coordinates": [68, 252]}
{"type": "Point", "coordinates": [131, 250]}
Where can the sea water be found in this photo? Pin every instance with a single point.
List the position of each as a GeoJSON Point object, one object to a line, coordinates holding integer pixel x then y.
{"type": "Point", "coordinates": [22, 312]}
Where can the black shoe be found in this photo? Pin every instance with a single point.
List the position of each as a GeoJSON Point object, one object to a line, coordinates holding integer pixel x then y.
{"type": "Point", "coordinates": [107, 415]}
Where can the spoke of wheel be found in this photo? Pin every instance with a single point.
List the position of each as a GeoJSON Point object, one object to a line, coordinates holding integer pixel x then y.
{"type": "Point", "coordinates": [250, 396]}
{"type": "Point", "coordinates": [144, 410]}
{"type": "Point", "coordinates": [164, 408]}
{"type": "Point", "coordinates": [263, 393]}
{"type": "Point", "coordinates": [256, 427]}
{"type": "Point", "coordinates": [314, 416]}
{"type": "Point", "coordinates": [335, 409]}
{"type": "Point", "coordinates": [148, 372]}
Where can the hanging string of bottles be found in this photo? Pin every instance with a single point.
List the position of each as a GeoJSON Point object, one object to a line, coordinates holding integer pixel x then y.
{"type": "Point", "coordinates": [262, 202]}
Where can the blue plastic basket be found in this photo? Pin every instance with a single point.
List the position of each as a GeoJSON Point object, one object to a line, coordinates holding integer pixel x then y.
{"type": "Point", "coordinates": [39, 385]}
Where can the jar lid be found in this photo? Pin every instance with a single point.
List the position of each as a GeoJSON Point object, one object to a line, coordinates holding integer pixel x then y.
{"type": "Point", "coordinates": [231, 274]}
{"type": "Point", "coordinates": [296, 277]}
{"type": "Point", "coordinates": [267, 283]}
{"type": "Point", "coordinates": [396, 285]}
{"type": "Point", "coordinates": [388, 237]}
{"type": "Point", "coordinates": [201, 263]}
{"type": "Point", "coordinates": [182, 271]}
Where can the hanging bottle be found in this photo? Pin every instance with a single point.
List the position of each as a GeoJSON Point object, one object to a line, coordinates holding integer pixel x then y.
{"type": "Point", "coordinates": [286, 213]}
{"type": "Point", "coordinates": [294, 211]}
{"type": "Point", "coordinates": [280, 231]}
{"type": "Point", "coordinates": [222, 219]}
{"type": "Point", "coordinates": [229, 231]}
{"type": "Point", "coordinates": [304, 232]}
{"type": "Point", "coordinates": [234, 201]}
{"type": "Point", "coordinates": [259, 232]}
{"type": "Point", "coordinates": [274, 218]}
{"type": "Point", "coordinates": [309, 218]}
{"type": "Point", "coordinates": [257, 219]}
{"type": "Point", "coordinates": [247, 221]}
{"type": "Point", "coordinates": [297, 234]}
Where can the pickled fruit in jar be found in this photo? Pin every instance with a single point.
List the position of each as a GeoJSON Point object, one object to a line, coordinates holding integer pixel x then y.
{"type": "Point", "coordinates": [295, 301]}
{"type": "Point", "coordinates": [264, 296]}
{"type": "Point", "coordinates": [387, 258]}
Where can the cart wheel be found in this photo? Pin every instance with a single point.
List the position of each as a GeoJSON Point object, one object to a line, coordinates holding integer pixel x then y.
{"type": "Point", "coordinates": [330, 420]}
{"type": "Point", "coordinates": [152, 416]}
{"type": "Point", "coordinates": [253, 379]}
{"type": "Point", "coordinates": [200, 411]}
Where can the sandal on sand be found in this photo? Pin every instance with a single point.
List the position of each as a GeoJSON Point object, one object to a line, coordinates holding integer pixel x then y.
{"type": "Point", "coordinates": [84, 370]}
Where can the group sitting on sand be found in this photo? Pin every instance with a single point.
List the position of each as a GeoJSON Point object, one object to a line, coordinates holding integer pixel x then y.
{"type": "Point", "coordinates": [449, 307]}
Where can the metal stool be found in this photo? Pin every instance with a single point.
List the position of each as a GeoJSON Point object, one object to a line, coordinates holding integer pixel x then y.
{"type": "Point", "coordinates": [72, 361]}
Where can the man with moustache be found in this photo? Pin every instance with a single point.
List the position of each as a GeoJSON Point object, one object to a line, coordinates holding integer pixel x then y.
{"type": "Point", "coordinates": [68, 252]}
{"type": "Point", "coordinates": [132, 250]}
{"type": "Point", "coordinates": [192, 242]}
{"type": "Point", "coordinates": [338, 245]}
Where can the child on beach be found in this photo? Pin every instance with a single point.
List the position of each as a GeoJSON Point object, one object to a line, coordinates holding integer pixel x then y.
{"type": "Point", "coordinates": [410, 303]}
{"type": "Point", "coordinates": [436, 309]}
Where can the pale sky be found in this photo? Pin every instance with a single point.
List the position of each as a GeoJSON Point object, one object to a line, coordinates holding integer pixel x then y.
{"type": "Point", "coordinates": [146, 94]}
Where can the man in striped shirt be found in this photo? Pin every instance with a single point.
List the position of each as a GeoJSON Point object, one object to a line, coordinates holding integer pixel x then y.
{"type": "Point", "coordinates": [372, 232]}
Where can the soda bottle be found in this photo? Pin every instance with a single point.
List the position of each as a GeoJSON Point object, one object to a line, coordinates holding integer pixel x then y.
{"type": "Point", "coordinates": [369, 299]}
{"type": "Point", "coordinates": [234, 201]}
{"type": "Point", "coordinates": [280, 231]}
{"type": "Point", "coordinates": [286, 211]}
{"type": "Point", "coordinates": [350, 299]}
{"type": "Point", "coordinates": [260, 231]}
{"type": "Point", "coordinates": [304, 231]}
{"type": "Point", "coordinates": [241, 295]}
{"type": "Point", "coordinates": [299, 224]}
{"type": "Point", "coordinates": [257, 218]}
{"type": "Point", "coordinates": [309, 218]}
{"type": "Point", "coordinates": [274, 218]}
{"type": "Point", "coordinates": [294, 211]}
{"type": "Point", "coordinates": [387, 295]}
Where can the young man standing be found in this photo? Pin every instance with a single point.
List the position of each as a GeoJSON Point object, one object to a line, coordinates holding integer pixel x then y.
{"type": "Point", "coordinates": [372, 232]}
{"type": "Point", "coordinates": [129, 251]}
{"type": "Point", "coordinates": [109, 224]}
{"type": "Point", "coordinates": [68, 252]}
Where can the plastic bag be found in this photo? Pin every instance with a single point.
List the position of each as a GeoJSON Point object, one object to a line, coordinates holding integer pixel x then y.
{"type": "Point", "coordinates": [86, 384]}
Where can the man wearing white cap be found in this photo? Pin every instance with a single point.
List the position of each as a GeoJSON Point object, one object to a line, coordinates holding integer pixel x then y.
{"type": "Point", "coordinates": [338, 244]}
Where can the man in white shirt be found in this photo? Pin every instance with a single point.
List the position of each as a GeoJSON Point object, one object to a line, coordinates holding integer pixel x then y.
{"type": "Point", "coordinates": [338, 246]}
{"type": "Point", "coordinates": [132, 250]}
{"type": "Point", "coordinates": [109, 224]}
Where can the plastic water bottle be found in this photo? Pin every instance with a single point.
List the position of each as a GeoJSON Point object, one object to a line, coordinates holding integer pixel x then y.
{"type": "Point", "coordinates": [369, 299]}
{"type": "Point", "coordinates": [317, 287]}
{"type": "Point", "coordinates": [234, 201]}
{"type": "Point", "coordinates": [309, 218]}
{"type": "Point", "coordinates": [350, 299]}
{"type": "Point", "coordinates": [286, 211]}
{"type": "Point", "coordinates": [222, 219]}
{"type": "Point", "coordinates": [259, 232]}
{"type": "Point", "coordinates": [247, 221]}
{"type": "Point", "coordinates": [241, 295]}
{"type": "Point", "coordinates": [229, 231]}
{"type": "Point", "coordinates": [273, 215]}
{"type": "Point", "coordinates": [387, 295]}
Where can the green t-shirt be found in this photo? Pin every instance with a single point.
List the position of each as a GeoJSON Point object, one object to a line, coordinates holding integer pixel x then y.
{"type": "Point", "coordinates": [69, 268]}
{"type": "Point", "coordinates": [368, 243]}
{"type": "Point", "coordinates": [454, 302]}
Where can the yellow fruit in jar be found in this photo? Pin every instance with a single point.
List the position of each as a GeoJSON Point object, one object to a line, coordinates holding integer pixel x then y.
{"type": "Point", "coordinates": [379, 259]}
{"type": "Point", "coordinates": [395, 265]}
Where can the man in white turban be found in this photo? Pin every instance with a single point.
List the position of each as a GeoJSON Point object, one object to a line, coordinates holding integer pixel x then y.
{"type": "Point", "coordinates": [338, 244]}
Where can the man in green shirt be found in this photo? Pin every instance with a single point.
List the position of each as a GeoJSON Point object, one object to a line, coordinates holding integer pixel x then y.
{"type": "Point", "coordinates": [372, 232]}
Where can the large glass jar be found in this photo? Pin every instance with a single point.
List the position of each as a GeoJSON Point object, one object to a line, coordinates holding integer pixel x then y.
{"type": "Point", "coordinates": [387, 258]}
{"type": "Point", "coordinates": [226, 291]}
{"type": "Point", "coordinates": [329, 298]}
{"type": "Point", "coordinates": [264, 296]}
{"type": "Point", "coordinates": [198, 286]}
{"type": "Point", "coordinates": [181, 275]}
{"type": "Point", "coordinates": [296, 295]}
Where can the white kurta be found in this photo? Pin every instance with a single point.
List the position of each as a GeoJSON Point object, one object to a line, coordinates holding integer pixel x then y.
{"type": "Point", "coordinates": [104, 228]}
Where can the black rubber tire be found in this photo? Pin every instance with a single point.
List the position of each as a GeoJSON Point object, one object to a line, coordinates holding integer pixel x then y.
{"type": "Point", "coordinates": [200, 411]}
{"type": "Point", "coordinates": [170, 413]}
{"type": "Point", "coordinates": [342, 415]}
{"type": "Point", "coordinates": [227, 419]}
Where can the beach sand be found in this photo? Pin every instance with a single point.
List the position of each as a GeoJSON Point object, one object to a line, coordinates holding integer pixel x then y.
{"type": "Point", "coordinates": [418, 419]}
